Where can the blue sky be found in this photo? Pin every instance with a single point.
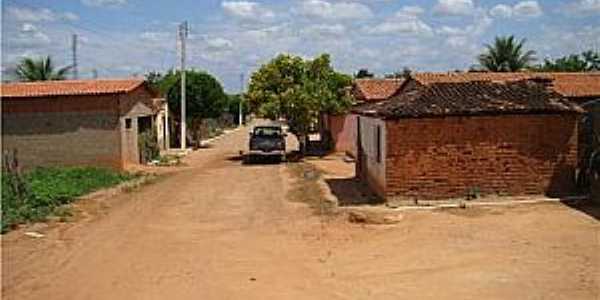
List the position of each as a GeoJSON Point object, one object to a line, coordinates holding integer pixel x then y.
{"type": "Point", "coordinates": [120, 38]}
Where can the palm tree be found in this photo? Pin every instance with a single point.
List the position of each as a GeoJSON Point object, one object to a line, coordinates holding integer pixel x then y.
{"type": "Point", "coordinates": [42, 69]}
{"type": "Point", "coordinates": [506, 55]}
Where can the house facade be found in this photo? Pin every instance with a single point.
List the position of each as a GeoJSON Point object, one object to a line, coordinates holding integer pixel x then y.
{"type": "Point", "coordinates": [448, 140]}
{"type": "Point", "coordinates": [342, 127]}
{"type": "Point", "coordinates": [79, 122]}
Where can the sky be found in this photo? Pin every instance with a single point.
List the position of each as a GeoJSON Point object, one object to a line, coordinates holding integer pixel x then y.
{"type": "Point", "coordinates": [121, 38]}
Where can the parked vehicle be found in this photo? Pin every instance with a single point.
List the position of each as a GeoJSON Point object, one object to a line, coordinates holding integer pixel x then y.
{"type": "Point", "coordinates": [267, 141]}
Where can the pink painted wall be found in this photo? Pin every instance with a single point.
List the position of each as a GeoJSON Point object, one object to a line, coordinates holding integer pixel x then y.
{"type": "Point", "coordinates": [343, 132]}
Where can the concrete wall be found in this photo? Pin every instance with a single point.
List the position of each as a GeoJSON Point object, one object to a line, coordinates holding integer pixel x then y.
{"type": "Point", "coordinates": [74, 130]}
{"type": "Point", "coordinates": [62, 131]}
{"type": "Point", "coordinates": [132, 106]}
{"type": "Point", "coordinates": [369, 168]}
{"type": "Point", "coordinates": [439, 158]}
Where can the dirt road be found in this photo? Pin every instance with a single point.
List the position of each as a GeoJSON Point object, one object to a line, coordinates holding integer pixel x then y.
{"type": "Point", "coordinates": [220, 230]}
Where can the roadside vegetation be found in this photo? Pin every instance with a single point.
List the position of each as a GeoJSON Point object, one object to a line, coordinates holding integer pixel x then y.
{"type": "Point", "coordinates": [209, 110]}
{"type": "Point", "coordinates": [305, 189]}
{"type": "Point", "coordinates": [43, 192]}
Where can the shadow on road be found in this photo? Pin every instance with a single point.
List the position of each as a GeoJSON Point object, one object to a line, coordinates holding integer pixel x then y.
{"type": "Point", "coordinates": [587, 207]}
{"type": "Point", "coordinates": [256, 160]}
{"type": "Point", "coordinates": [352, 192]}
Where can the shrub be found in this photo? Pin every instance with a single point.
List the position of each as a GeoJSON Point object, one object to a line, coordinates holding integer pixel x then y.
{"type": "Point", "coordinates": [44, 190]}
{"type": "Point", "coordinates": [148, 145]}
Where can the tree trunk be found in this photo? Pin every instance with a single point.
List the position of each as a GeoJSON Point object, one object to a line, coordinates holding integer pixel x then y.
{"type": "Point", "coordinates": [303, 143]}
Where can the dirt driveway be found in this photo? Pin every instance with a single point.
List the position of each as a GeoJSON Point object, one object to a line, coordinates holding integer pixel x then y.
{"type": "Point", "coordinates": [219, 230]}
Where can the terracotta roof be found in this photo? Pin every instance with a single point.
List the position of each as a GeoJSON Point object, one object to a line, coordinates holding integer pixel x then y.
{"type": "Point", "coordinates": [566, 84]}
{"type": "Point", "coordinates": [375, 89]}
{"type": "Point", "coordinates": [471, 98]}
{"type": "Point", "coordinates": [68, 87]}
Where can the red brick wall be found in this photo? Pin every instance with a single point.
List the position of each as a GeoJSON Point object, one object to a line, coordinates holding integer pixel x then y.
{"type": "Point", "coordinates": [440, 158]}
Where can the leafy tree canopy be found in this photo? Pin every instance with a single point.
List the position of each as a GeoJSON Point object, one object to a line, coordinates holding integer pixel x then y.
{"type": "Point", "coordinates": [232, 106]}
{"type": "Point", "coordinates": [364, 73]}
{"type": "Point", "coordinates": [205, 97]}
{"type": "Point", "coordinates": [405, 73]}
{"type": "Point", "coordinates": [30, 69]}
{"type": "Point", "coordinates": [506, 54]}
{"type": "Point", "coordinates": [584, 62]}
{"type": "Point", "coordinates": [298, 90]}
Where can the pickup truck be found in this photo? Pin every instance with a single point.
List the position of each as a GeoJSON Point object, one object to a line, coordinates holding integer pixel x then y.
{"type": "Point", "coordinates": [267, 141]}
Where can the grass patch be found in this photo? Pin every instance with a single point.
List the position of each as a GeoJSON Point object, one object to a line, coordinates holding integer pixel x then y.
{"type": "Point", "coordinates": [306, 188]}
{"type": "Point", "coordinates": [42, 192]}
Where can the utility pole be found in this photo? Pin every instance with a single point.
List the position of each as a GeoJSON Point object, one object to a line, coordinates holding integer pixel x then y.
{"type": "Point", "coordinates": [183, 32]}
{"type": "Point", "coordinates": [240, 116]}
{"type": "Point", "coordinates": [74, 48]}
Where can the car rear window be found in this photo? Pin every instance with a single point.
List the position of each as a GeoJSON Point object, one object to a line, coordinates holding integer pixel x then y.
{"type": "Point", "coordinates": [267, 131]}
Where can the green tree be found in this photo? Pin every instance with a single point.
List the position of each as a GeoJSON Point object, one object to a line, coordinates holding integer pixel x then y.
{"type": "Point", "coordinates": [404, 74]}
{"type": "Point", "coordinates": [298, 90]}
{"type": "Point", "coordinates": [592, 58]}
{"type": "Point", "coordinates": [584, 62]}
{"type": "Point", "coordinates": [205, 97]}
{"type": "Point", "coordinates": [154, 79]}
{"type": "Point", "coordinates": [232, 107]}
{"type": "Point", "coordinates": [506, 55]}
{"type": "Point", "coordinates": [41, 69]}
{"type": "Point", "coordinates": [364, 73]}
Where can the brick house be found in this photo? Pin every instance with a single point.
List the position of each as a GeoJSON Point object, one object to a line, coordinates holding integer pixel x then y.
{"type": "Point", "coordinates": [80, 122]}
{"type": "Point", "coordinates": [577, 87]}
{"type": "Point", "coordinates": [342, 127]}
{"type": "Point", "coordinates": [445, 139]}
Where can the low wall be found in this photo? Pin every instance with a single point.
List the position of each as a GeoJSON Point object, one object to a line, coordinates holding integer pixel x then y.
{"type": "Point", "coordinates": [63, 139]}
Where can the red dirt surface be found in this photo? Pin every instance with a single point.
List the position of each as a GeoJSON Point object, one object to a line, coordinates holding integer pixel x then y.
{"type": "Point", "coordinates": [218, 229]}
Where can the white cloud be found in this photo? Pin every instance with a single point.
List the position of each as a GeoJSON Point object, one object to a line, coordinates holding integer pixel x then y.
{"type": "Point", "coordinates": [401, 27]}
{"type": "Point", "coordinates": [527, 9]}
{"type": "Point", "coordinates": [25, 14]}
{"type": "Point", "coordinates": [247, 10]}
{"type": "Point", "coordinates": [585, 7]}
{"type": "Point", "coordinates": [218, 44]}
{"type": "Point", "coordinates": [406, 21]}
{"type": "Point", "coordinates": [319, 31]}
{"type": "Point", "coordinates": [521, 10]}
{"type": "Point", "coordinates": [104, 3]}
{"type": "Point", "coordinates": [69, 16]}
{"type": "Point", "coordinates": [411, 10]}
{"type": "Point", "coordinates": [454, 7]}
{"type": "Point", "coordinates": [155, 36]}
{"type": "Point", "coordinates": [28, 27]}
{"type": "Point", "coordinates": [501, 11]}
{"type": "Point", "coordinates": [334, 10]}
